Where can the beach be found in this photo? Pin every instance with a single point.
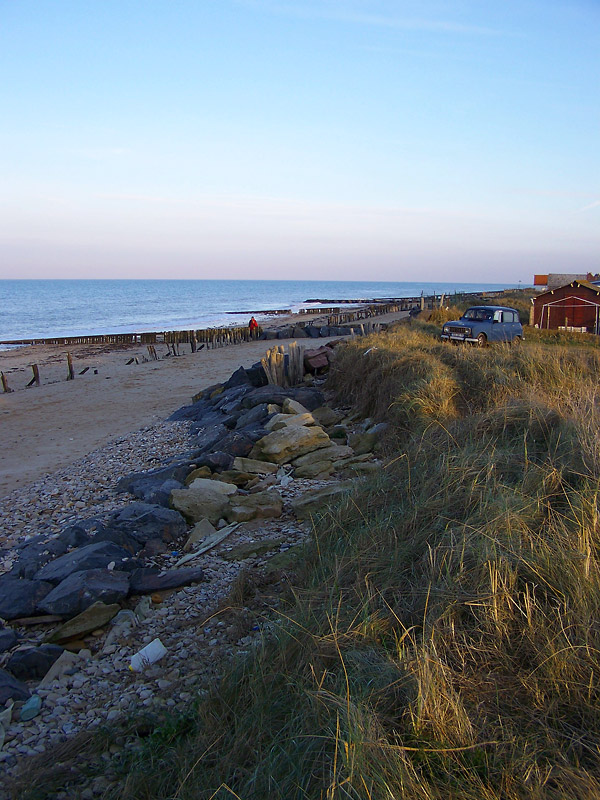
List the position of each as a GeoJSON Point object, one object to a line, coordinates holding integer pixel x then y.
{"type": "Point", "coordinates": [45, 428]}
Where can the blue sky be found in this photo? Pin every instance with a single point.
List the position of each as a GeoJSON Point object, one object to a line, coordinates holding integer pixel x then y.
{"type": "Point", "coordinates": [364, 139]}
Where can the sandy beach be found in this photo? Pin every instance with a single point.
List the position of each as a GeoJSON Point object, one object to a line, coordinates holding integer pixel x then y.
{"type": "Point", "coordinates": [45, 428]}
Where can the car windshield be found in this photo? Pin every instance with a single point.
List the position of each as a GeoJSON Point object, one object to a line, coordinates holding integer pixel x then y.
{"type": "Point", "coordinates": [478, 314]}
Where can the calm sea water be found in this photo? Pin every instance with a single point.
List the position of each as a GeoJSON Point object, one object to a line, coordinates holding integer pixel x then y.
{"type": "Point", "coordinates": [44, 308]}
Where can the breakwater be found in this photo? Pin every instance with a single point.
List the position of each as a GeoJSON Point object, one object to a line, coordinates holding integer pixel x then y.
{"type": "Point", "coordinates": [220, 336]}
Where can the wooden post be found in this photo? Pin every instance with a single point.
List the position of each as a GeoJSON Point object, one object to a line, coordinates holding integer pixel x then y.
{"type": "Point", "coordinates": [36, 376]}
{"type": "Point", "coordinates": [5, 388]}
{"type": "Point", "coordinates": [71, 371]}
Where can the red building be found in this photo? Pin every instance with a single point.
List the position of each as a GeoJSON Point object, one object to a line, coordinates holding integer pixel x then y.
{"type": "Point", "coordinates": [576, 305]}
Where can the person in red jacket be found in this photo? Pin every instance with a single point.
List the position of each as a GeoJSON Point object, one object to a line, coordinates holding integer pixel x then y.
{"type": "Point", "coordinates": [253, 325]}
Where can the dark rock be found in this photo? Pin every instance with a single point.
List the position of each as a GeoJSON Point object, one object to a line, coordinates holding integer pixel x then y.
{"type": "Point", "coordinates": [230, 400]}
{"type": "Point", "coordinates": [324, 330]}
{"type": "Point", "coordinates": [216, 461]}
{"type": "Point", "coordinates": [119, 538]}
{"type": "Point", "coordinates": [207, 438]}
{"type": "Point", "coordinates": [238, 378]}
{"type": "Point", "coordinates": [11, 688]}
{"type": "Point", "coordinates": [79, 532]}
{"type": "Point", "coordinates": [268, 335]}
{"type": "Point", "coordinates": [155, 486]}
{"type": "Point", "coordinates": [33, 555]}
{"type": "Point", "coordinates": [34, 662]}
{"type": "Point", "coordinates": [193, 412]}
{"type": "Point", "coordinates": [285, 333]}
{"type": "Point", "coordinates": [81, 589]}
{"type": "Point", "coordinates": [207, 394]}
{"type": "Point", "coordinates": [257, 375]}
{"type": "Point", "coordinates": [313, 332]}
{"type": "Point", "coordinates": [19, 596]}
{"type": "Point", "coordinates": [236, 443]}
{"type": "Point", "coordinates": [254, 432]}
{"type": "Point", "coordinates": [310, 398]}
{"type": "Point", "coordinates": [143, 521]}
{"type": "Point", "coordinates": [92, 556]}
{"type": "Point", "coordinates": [299, 333]}
{"type": "Point", "coordinates": [146, 581]}
{"type": "Point", "coordinates": [259, 413]}
{"type": "Point", "coordinates": [154, 547]}
{"type": "Point", "coordinates": [8, 638]}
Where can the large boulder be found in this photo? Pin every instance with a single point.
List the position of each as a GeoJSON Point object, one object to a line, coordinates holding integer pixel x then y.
{"type": "Point", "coordinates": [261, 505]}
{"type": "Point", "coordinates": [318, 469]}
{"type": "Point", "coordinates": [206, 438]}
{"type": "Point", "coordinates": [312, 503]}
{"type": "Point", "coordinates": [325, 416]}
{"type": "Point", "coordinates": [79, 532]}
{"type": "Point", "coordinates": [203, 498]}
{"type": "Point", "coordinates": [19, 597]}
{"type": "Point", "coordinates": [82, 589]}
{"type": "Point", "coordinates": [97, 555]}
{"type": "Point", "coordinates": [8, 639]}
{"type": "Point", "coordinates": [156, 485]}
{"type": "Point", "coordinates": [217, 460]}
{"type": "Point", "coordinates": [11, 688]}
{"type": "Point", "coordinates": [195, 412]}
{"type": "Point", "coordinates": [259, 413]}
{"type": "Point", "coordinates": [284, 420]}
{"type": "Point", "coordinates": [334, 452]}
{"type": "Point", "coordinates": [291, 406]}
{"type": "Point", "coordinates": [32, 663]}
{"type": "Point", "coordinates": [317, 360]}
{"type": "Point", "coordinates": [94, 617]}
{"type": "Point", "coordinates": [34, 554]}
{"type": "Point", "coordinates": [362, 443]}
{"type": "Point", "coordinates": [310, 398]}
{"type": "Point", "coordinates": [254, 466]}
{"type": "Point", "coordinates": [284, 445]}
{"type": "Point", "coordinates": [143, 522]}
{"type": "Point", "coordinates": [238, 443]}
{"type": "Point", "coordinates": [147, 581]}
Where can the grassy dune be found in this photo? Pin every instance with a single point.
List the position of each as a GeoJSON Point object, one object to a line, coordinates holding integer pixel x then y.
{"type": "Point", "coordinates": [442, 636]}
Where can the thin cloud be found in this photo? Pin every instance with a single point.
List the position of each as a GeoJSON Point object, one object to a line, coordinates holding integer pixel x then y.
{"type": "Point", "coordinates": [372, 20]}
{"type": "Point", "coordinates": [589, 207]}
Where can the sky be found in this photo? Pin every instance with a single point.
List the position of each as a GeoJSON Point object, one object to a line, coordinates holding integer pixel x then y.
{"type": "Point", "coordinates": [318, 139]}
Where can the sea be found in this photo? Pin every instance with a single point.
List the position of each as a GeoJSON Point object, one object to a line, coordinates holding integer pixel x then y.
{"type": "Point", "coordinates": [35, 309]}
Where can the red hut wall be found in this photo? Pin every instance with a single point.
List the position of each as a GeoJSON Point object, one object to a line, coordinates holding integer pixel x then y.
{"type": "Point", "coordinates": [572, 306]}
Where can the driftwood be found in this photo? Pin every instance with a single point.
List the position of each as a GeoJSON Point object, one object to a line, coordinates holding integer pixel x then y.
{"type": "Point", "coordinates": [211, 541]}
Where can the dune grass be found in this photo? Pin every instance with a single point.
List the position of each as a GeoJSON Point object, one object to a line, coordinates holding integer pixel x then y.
{"type": "Point", "coordinates": [442, 636]}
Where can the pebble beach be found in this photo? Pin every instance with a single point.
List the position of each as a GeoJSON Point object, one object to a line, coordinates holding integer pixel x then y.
{"type": "Point", "coordinates": [63, 447]}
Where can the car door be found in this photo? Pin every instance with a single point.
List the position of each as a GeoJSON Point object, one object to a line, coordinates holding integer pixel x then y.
{"type": "Point", "coordinates": [497, 330]}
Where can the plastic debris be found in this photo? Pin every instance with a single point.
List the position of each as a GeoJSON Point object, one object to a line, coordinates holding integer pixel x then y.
{"type": "Point", "coordinates": [31, 708]}
{"type": "Point", "coordinates": [147, 655]}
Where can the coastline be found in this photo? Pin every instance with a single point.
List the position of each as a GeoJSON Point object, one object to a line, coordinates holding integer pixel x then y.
{"type": "Point", "coordinates": [48, 427]}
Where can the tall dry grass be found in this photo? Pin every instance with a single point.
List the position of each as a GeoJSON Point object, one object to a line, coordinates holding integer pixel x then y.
{"type": "Point", "coordinates": [443, 637]}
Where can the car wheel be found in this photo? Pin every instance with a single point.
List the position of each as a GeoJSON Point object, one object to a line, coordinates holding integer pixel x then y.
{"type": "Point", "coordinates": [482, 340]}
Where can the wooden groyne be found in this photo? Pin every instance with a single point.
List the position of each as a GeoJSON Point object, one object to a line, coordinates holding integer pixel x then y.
{"type": "Point", "coordinates": [220, 337]}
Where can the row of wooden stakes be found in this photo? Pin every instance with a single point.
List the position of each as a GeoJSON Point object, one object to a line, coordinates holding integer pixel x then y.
{"type": "Point", "coordinates": [35, 380]}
